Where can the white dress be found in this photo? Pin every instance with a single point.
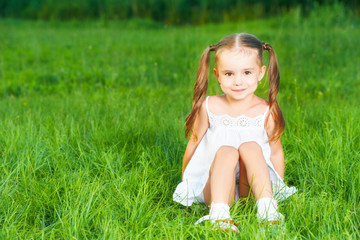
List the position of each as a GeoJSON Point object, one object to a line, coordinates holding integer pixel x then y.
{"type": "Point", "coordinates": [225, 130]}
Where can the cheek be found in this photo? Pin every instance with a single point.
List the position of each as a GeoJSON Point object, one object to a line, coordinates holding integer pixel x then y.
{"type": "Point", "coordinates": [257, 77]}
{"type": "Point", "coordinates": [254, 82]}
{"type": "Point", "coordinates": [226, 82]}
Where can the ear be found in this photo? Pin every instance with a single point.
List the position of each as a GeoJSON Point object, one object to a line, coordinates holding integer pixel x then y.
{"type": "Point", "coordinates": [216, 73]}
{"type": "Point", "coordinates": [262, 72]}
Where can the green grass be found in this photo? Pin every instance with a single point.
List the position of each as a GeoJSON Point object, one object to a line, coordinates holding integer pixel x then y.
{"type": "Point", "coordinates": [92, 127]}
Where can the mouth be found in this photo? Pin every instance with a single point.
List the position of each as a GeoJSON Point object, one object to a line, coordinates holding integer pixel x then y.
{"type": "Point", "coordinates": [238, 90]}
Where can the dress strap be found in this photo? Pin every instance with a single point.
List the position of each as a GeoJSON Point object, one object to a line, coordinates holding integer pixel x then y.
{"type": "Point", "coordinates": [266, 111]}
{"type": "Point", "coordinates": [206, 105]}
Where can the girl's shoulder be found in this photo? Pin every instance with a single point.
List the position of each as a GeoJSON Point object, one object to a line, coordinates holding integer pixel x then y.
{"type": "Point", "coordinates": [215, 98]}
{"type": "Point", "coordinates": [260, 105]}
{"type": "Point", "coordinates": [215, 103]}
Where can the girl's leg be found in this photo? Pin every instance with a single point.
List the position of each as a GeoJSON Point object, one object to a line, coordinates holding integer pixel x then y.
{"type": "Point", "coordinates": [220, 187]}
{"type": "Point", "coordinates": [244, 187]}
{"type": "Point", "coordinates": [257, 174]}
{"type": "Point", "coordinates": [256, 169]}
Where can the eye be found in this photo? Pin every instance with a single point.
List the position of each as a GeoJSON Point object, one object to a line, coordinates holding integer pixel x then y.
{"type": "Point", "coordinates": [228, 74]}
{"type": "Point", "coordinates": [247, 72]}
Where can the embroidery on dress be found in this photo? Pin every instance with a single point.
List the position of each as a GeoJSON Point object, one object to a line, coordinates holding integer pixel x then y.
{"type": "Point", "coordinates": [241, 121]}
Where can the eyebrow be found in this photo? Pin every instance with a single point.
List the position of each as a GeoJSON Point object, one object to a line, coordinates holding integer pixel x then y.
{"type": "Point", "coordinates": [244, 69]}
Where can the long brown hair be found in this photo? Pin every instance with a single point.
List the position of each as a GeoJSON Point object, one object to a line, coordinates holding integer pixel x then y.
{"type": "Point", "coordinates": [229, 42]}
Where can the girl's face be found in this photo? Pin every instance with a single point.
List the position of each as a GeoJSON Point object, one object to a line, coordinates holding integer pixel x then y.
{"type": "Point", "coordinates": [238, 72]}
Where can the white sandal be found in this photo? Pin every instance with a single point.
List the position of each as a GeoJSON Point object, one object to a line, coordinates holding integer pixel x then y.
{"type": "Point", "coordinates": [223, 224]}
{"type": "Point", "coordinates": [267, 211]}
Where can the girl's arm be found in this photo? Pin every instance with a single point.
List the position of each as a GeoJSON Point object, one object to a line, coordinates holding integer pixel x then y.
{"type": "Point", "coordinates": [200, 127]}
{"type": "Point", "coordinates": [277, 152]}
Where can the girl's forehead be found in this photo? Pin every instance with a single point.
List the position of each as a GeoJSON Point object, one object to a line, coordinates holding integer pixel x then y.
{"type": "Point", "coordinates": [237, 56]}
{"type": "Point", "coordinates": [237, 51]}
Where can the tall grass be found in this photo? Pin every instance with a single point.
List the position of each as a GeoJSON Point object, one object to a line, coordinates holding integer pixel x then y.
{"type": "Point", "coordinates": [92, 133]}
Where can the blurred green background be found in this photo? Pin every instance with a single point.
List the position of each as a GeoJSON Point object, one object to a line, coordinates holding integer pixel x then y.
{"type": "Point", "coordinates": [166, 11]}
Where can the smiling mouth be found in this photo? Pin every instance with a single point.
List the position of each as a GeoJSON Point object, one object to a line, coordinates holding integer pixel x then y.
{"type": "Point", "coordinates": [238, 90]}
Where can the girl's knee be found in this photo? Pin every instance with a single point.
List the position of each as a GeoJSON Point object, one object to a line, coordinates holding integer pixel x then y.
{"type": "Point", "coordinates": [227, 155]}
{"type": "Point", "coordinates": [228, 152]}
{"type": "Point", "coordinates": [249, 147]}
{"type": "Point", "coordinates": [251, 152]}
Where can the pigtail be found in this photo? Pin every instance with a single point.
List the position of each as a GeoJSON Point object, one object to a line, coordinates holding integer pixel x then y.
{"type": "Point", "coordinates": [200, 90]}
{"type": "Point", "coordinates": [274, 82]}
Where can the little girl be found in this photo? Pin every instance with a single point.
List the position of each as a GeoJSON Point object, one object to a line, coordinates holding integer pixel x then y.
{"type": "Point", "coordinates": [234, 139]}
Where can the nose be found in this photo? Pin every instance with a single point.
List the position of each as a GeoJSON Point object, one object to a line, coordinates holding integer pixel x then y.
{"type": "Point", "coordinates": [238, 81]}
